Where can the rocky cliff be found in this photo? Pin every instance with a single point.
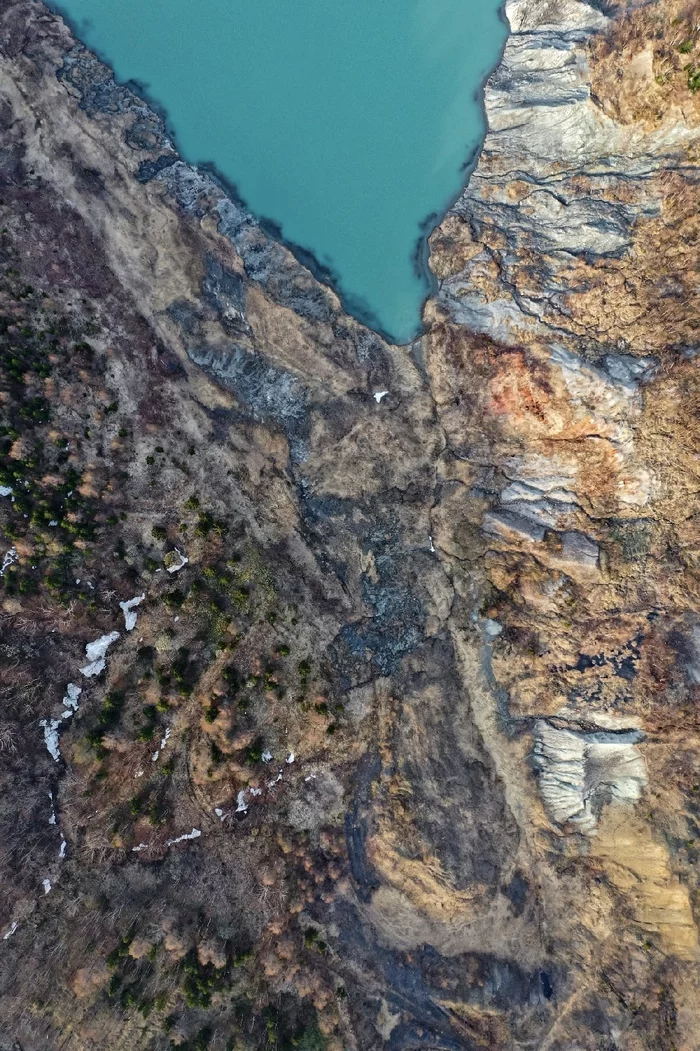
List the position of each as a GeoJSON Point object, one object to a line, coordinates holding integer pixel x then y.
{"type": "Point", "coordinates": [427, 679]}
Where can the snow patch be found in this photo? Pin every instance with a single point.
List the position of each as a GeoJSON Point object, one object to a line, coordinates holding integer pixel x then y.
{"type": "Point", "coordinates": [51, 737]}
{"type": "Point", "coordinates": [46, 884]}
{"type": "Point", "coordinates": [379, 394]}
{"type": "Point", "coordinates": [127, 609]}
{"type": "Point", "coordinates": [8, 934]}
{"type": "Point", "coordinates": [194, 834]}
{"type": "Point", "coordinates": [95, 653]}
{"type": "Point", "coordinates": [71, 697]}
{"type": "Point", "coordinates": [163, 742]}
{"type": "Point", "coordinates": [175, 560]}
{"type": "Point", "coordinates": [6, 490]}
{"type": "Point", "coordinates": [9, 560]}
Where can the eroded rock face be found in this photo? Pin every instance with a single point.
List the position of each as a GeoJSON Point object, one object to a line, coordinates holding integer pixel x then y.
{"type": "Point", "coordinates": [496, 560]}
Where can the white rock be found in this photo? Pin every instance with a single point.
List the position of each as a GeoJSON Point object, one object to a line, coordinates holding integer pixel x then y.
{"type": "Point", "coordinates": [127, 609]}
{"type": "Point", "coordinates": [579, 772]}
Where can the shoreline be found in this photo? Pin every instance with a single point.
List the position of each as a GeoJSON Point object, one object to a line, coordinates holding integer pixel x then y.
{"type": "Point", "coordinates": [321, 272]}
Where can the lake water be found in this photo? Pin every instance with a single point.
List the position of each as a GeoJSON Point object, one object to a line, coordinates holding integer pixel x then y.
{"type": "Point", "coordinates": [349, 124]}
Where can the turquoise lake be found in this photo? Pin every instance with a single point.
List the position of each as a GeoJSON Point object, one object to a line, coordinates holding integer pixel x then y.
{"type": "Point", "coordinates": [350, 125]}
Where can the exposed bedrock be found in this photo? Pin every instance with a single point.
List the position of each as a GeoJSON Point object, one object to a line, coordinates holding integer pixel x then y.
{"type": "Point", "coordinates": [499, 554]}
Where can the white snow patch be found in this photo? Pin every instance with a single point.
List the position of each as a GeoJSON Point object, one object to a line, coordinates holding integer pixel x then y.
{"type": "Point", "coordinates": [51, 737]}
{"type": "Point", "coordinates": [432, 545]}
{"type": "Point", "coordinates": [194, 834]}
{"type": "Point", "coordinates": [255, 791]}
{"type": "Point", "coordinates": [271, 784]}
{"type": "Point", "coordinates": [46, 884]}
{"type": "Point", "coordinates": [141, 846]}
{"type": "Point", "coordinates": [90, 670]}
{"type": "Point", "coordinates": [95, 653]}
{"type": "Point", "coordinates": [6, 490]}
{"type": "Point", "coordinates": [219, 813]}
{"type": "Point", "coordinates": [311, 777]}
{"type": "Point", "coordinates": [379, 394]}
{"type": "Point", "coordinates": [139, 773]}
{"type": "Point", "coordinates": [174, 567]}
{"type": "Point", "coordinates": [9, 560]}
{"type": "Point", "coordinates": [290, 758]}
{"type": "Point", "coordinates": [62, 851]}
{"type": "Point", "coordinates": [492, 628]}
{"type": "Point", "coordinates": [8, 934]}
{"type": "Point", "coordinates": [163, 742]}
{"type": "Point", "coordinates": [53, 522]}
{"type": "Point", "coordinates": [127, 609]}
{"type": "Point", "coordinates": [267, 757]}
{"type": "Point", "coordinates": [71, 698]}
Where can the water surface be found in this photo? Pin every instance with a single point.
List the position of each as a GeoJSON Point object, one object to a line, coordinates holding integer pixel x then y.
{"type": "Point", "coordinates": [349, 124]}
